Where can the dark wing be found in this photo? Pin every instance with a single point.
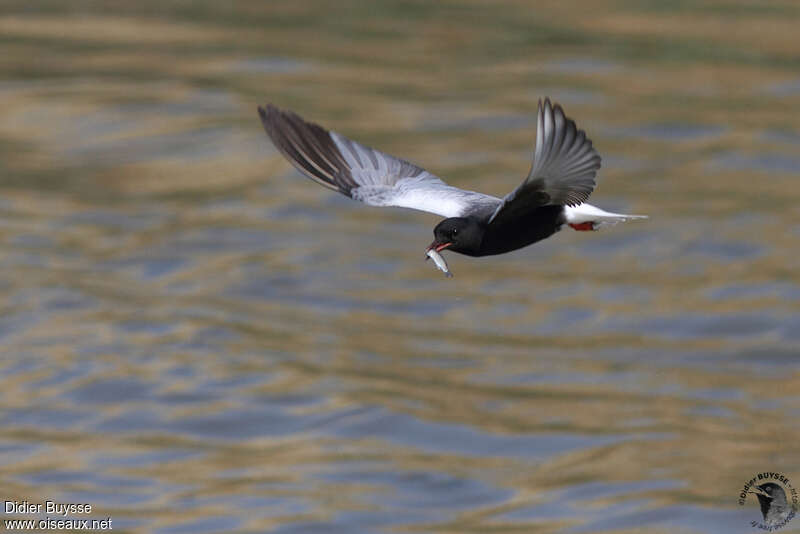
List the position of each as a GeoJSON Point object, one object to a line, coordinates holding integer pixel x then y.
{"type": "Point", "coordinates": [363, 173]}
{"type": "Point", "coordinates": [564, 167]}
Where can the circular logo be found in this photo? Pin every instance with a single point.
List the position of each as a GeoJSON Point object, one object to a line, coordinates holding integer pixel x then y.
{"type": "Point", "coordinates": [776, 497]}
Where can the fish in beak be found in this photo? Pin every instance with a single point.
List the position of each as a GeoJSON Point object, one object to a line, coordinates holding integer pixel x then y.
{"type": "Point", "coordinates": [433, 253]}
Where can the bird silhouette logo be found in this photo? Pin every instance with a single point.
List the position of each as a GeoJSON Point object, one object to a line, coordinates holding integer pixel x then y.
{"type": "Point", "coordinates": [776, 497]}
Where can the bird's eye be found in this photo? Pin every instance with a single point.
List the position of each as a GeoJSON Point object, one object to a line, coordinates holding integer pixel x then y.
{"type": "Point", "coordinates": [455, 231]}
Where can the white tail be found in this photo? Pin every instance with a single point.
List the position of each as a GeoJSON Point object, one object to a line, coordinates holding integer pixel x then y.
{"type": "Point", "coordinates": [588, 217]}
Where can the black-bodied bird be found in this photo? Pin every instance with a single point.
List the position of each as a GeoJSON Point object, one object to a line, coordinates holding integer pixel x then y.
{"type": "Point", "coordinates": [774, 505]}
{"type": "Point", "coordinates": [553, 194]}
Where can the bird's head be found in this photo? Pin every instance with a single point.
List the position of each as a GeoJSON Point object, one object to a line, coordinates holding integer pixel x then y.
{"type": "Point", "coordinates": [772, 499]}
{"type": "Point", "coordinates": [458, 234]}
{"type": "Point", "coordinates": [770, 491]}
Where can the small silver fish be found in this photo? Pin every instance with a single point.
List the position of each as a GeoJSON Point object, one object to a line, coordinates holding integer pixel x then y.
{"type": "Point", "coordinates": [439, 261]}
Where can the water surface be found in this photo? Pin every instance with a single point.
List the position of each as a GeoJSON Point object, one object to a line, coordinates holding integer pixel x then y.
{"type": "Point", "coordinates": [197, 339]}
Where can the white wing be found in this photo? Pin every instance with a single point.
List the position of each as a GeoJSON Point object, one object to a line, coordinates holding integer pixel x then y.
{"type": "Point", "coordinates": [363, 173]}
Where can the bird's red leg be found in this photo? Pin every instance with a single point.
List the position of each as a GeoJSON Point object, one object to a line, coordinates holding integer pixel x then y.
{"type": "Point", "coordinates": [583, 227]}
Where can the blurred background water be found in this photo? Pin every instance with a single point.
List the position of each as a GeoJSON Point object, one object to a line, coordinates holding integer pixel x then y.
{"type": "Point", "coordinates": [196, 339]}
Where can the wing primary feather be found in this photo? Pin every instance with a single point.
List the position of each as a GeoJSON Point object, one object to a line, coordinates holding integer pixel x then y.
{"type": "Point", "coordinates": [322, 151]}
{"type": "Point", "coordinates": [283, 138]}
{"type": "Point", "coordinates": [548, 133]}
{"type": "Point", "coordinates": [319, 142]}
{"type": "Point", "coordinates": [560, 130]}
{"type": "Point", "coordinates": [348, 144]}
{"type": "Point", "coordinates": [537, 154]}
{"type": "Point", "coordinates": [308, 147]}
{"type": "Point", "coordinates": [569, 136]}
{"type": "Point", "coordinates": [302, 144]}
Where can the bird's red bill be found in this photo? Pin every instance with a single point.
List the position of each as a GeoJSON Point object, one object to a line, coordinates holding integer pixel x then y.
{"type": "Point", "coordinates": [438, 247]}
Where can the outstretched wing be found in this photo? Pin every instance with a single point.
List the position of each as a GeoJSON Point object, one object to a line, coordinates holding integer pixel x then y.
{"type": "Point", "coordinates": [564, 167]}
{"type": "Point", "coordinates": [363, 173]}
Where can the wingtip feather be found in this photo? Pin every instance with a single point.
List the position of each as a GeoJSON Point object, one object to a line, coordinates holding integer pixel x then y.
{"type": "Point", "coordinates": [564, 158]}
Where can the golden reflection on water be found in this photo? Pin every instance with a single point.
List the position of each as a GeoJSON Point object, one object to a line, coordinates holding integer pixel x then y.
{"type": "Point", "coordinates": [196, 339]}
